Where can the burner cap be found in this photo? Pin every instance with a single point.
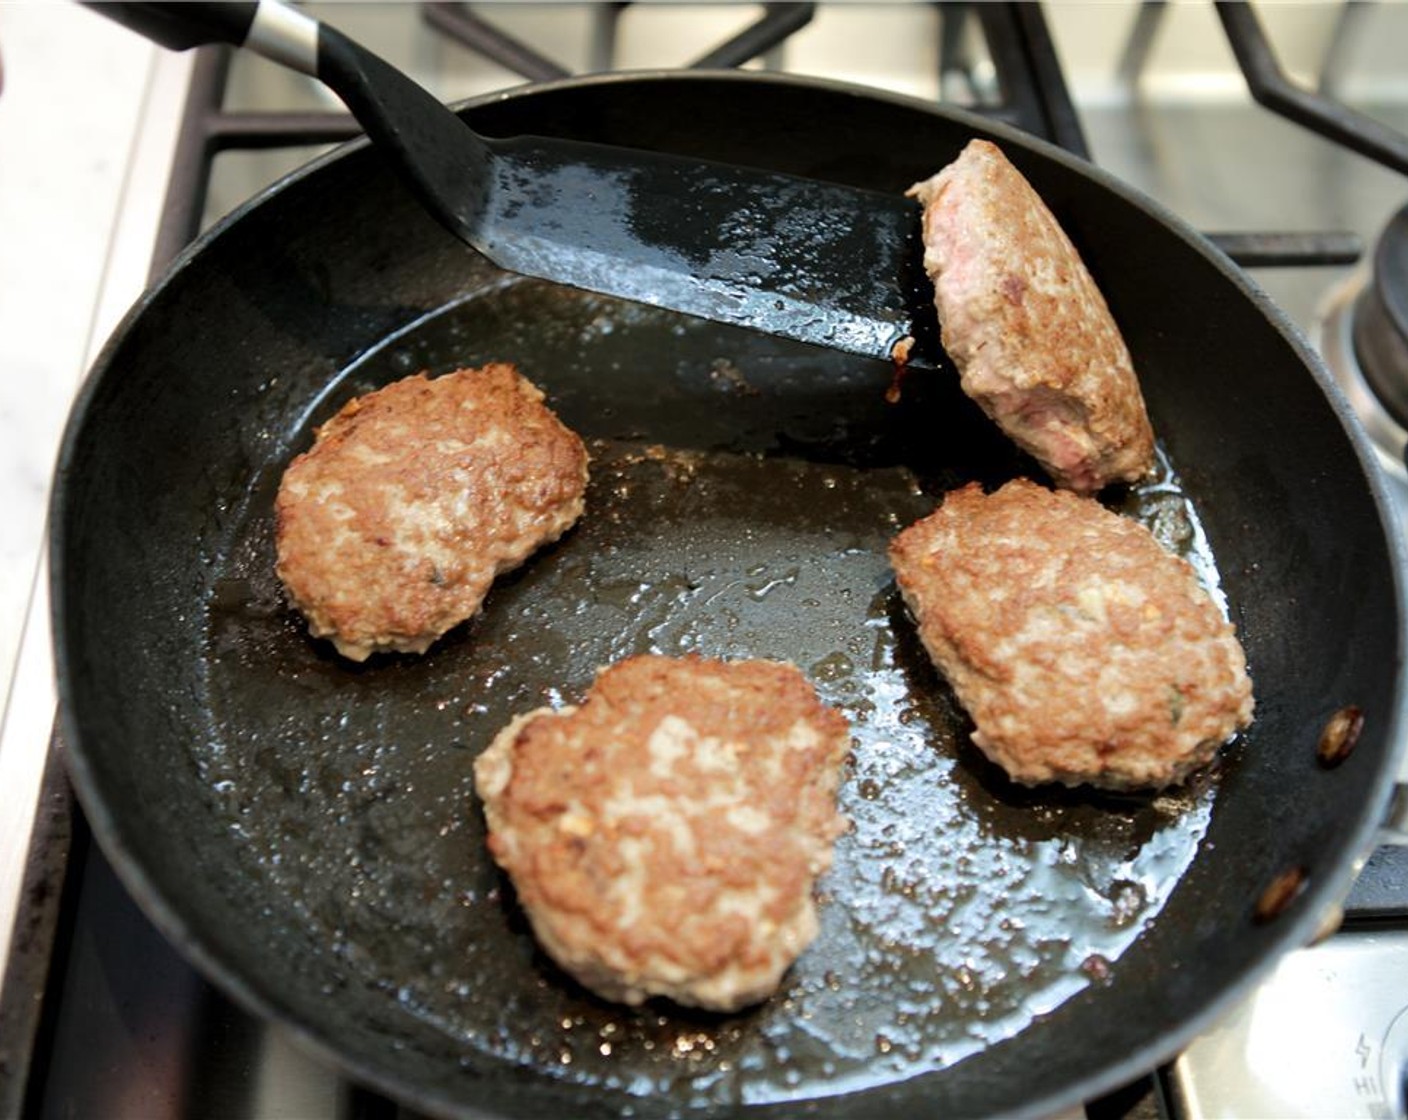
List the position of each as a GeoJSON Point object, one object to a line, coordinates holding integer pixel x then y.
{"type": "Point", "coordinates": [1381, 320]}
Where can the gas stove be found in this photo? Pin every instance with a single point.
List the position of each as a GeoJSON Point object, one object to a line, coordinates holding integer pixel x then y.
{"type": "Point", "coordinates": [100, 1017]}
{"type": "Point", "coordinates": [1361, 330]}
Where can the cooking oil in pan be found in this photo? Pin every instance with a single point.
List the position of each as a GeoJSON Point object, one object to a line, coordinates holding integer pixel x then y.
{"type": "Point", "coordinates": [743, 511]}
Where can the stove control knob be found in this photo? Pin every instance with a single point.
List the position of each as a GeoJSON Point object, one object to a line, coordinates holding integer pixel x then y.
{"type": "Point", "coordinates": [1393, 1066]}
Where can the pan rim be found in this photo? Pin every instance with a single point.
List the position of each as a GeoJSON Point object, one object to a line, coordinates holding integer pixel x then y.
{"type": "Point", "coordinates": [1328, 886]}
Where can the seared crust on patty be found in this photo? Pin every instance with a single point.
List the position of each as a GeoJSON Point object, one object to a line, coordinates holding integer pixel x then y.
{"type": "Point", "coordinates": [1031, 335]}
{"type": "Point", "coordinates": [392, 527]}
{"type": "Point", "coordinates": [664, 836]}
{"type": "Point", "coordinates": [1082, 650]}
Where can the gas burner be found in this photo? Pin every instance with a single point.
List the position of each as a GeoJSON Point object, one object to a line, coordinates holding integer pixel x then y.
{"type": "Point", "coordinates": [1381, 320]}
{"type": "Point", "coordinates": [1361, 329]}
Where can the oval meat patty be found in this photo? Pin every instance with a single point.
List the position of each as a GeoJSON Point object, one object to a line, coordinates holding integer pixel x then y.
{"type": "Point", "coordinates": [1082, 650]}
{"type": "Point", "coordinates": [392, 527]}
{"type": "Point", "coordinates": [1034, 343]}
{"type": "Point", "coordinates": [664, 837]}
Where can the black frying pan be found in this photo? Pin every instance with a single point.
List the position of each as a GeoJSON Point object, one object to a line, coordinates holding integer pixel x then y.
{"type": "Point", "coordinates": [305, 829]}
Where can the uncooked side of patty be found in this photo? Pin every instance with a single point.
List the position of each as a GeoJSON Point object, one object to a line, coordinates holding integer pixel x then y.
{"type": "Point", "coordinates": [1031, 335]}
{"type": "Point", "coordinates": [664, 837]}
{"type": "Point", "coordinates": [392, 527]}
{"type": "Point", "coordinates": [1082, 650]}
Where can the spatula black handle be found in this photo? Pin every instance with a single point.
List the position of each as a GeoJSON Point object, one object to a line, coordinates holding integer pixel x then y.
{"type": "Point", "coordinates": [443, 162]}
{"type": "Point", "coordinates": [274, 30]}
{"type": "Point", "coordinates": [179, 27]}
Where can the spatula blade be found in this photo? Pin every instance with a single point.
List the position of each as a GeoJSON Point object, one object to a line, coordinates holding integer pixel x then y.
{"type": "Point", "coordinates": [825, 264]}
{"type": "Point", "coordinates": [831, 265]}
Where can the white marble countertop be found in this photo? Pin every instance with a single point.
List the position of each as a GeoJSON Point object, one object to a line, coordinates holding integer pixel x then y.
{"type": "Point", "coordinates": [73, 90]}
{"type": "Point", "coordinates": [87, 123]}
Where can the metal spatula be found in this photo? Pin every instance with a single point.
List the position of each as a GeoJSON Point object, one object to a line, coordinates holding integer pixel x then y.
{"type": "Point", "coordinates": [831, 265]}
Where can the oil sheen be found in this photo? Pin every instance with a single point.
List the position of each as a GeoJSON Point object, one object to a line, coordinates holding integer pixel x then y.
{"type": "Point", "coordinates": [741, 502]}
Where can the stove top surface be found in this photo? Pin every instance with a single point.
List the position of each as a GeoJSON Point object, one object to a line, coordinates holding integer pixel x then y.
{"type": "Point", "coordinates": [151, 1037]}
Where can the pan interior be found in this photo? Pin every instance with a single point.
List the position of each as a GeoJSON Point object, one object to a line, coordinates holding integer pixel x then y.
{"type": "Point", "coordinates": [744, 490]}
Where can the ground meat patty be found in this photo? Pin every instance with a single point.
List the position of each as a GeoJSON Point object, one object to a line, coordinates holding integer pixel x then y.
{"type": "Point", "coordinates": [391, 528]}
{"type": "Point", "coordinates": [664, 837]}
{"type": "Point", "coordinates": [1031, 336]}
{"type": "Point", "coordinates": [1082, 650]}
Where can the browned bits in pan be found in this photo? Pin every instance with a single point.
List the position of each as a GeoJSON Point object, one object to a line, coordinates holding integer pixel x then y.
{"type": "Point", "coordinates": [1341, 733]}
{"type": "Point", "coordinates": [899, 355]}
{"type": "Point", "coordinates": [1097, 968]}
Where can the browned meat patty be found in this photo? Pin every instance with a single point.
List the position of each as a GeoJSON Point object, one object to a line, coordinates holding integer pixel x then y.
{"type": "Point", "coordinates": [664, 837]}
{"type": "Point", "coordinates": [1082, 650]}
{"type": "Point", "coordinates": [1026, 326]}
{"type": "Point", "coordinates": [392, 527]}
